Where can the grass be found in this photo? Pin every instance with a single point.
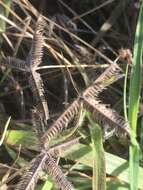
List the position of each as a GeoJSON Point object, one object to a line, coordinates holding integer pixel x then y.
{"type": "Point", "coordinates": [99, 171]}
{"type": "Point", "coordinates": [66, 71]}
{"type": "Point", "coordinates": [134, 99]}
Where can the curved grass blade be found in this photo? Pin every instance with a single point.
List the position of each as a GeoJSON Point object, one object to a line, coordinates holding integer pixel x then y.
{"type": "Point", "coordinates": [5, 130]}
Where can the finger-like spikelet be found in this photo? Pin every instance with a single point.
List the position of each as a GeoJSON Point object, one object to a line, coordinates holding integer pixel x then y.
{"type": "Point", "coordinates": [104, 115]}
{"type": "Point", "coordinates": [35, 59]}
{"type": "Point", "coordinates": [112, 71]}
{"type": "Point", "coordinates": [109, 76]}
{"type": "Point", "coordinates": [61, 122]}
{"type": "Point", "coordinates": [37, 88]}
{"type": "Point", "coordinates": [57, 175]}
{"type": "Point", "coordinates": [36, 53]}
{"type": "Point", "coordinates": [30, 178]}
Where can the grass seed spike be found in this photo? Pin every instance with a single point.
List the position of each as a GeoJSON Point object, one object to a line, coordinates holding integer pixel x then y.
{"type": "Point", "coordinates": [102, 114]}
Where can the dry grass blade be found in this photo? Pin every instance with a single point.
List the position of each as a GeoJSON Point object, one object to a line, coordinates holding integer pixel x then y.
{"type": "Point", "coordinates": [57, 175]}
{"type": "Point", "coordinates": [109, 76]}
{"type": "Point", "coordinates": [61, 122]}
{"type": "Point", "coordinates": [30, 178]}
{"type": "Point", "coordinates": [40, 101]}
{"type": "Point", "coordinates": [104, 115]}
{"type": "Point", "coordinates": [14, 63]}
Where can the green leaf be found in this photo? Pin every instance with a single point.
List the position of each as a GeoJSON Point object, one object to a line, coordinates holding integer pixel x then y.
{"type": "Point", "coordinates": [115, 166]}
{"type": "Point", "coordinates": [26, 138]}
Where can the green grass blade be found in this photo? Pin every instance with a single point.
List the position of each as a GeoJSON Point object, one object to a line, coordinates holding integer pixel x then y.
{"type": "Point", "coordinates": [134, 94]}
{"type": "Point", "coordinates": [99, 174]}
{"type": "Point", "coordinates": [141, 143]}
{"type": "Point", "coordinates": [135, 81]}
{"type": "Point", "coordinates": [134, 153]}
{"type": "Point", "coordinates": [27, 139]}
